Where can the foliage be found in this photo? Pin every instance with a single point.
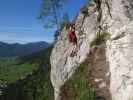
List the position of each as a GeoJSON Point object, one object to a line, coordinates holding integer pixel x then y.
{"type": "Point", "coordinates": [38, 57]}
{"type": "Point", "coordinates": [64, 23]}
{"type": "Point", "coordinates": [65, 20]}
{"type": "Point", "coordinates": [50, 12]}
{"type": "Point", "coordinates": [84, 10]}
{"type": "Point", "coordinates": [100, 38]}
{"type": "Point", "coordinates": [11, 70]}
{"type": "Point", "coordinates": [77, 87]}
{"type": "Point", "coordinates": [36, 86]}
{"type": "Point", "coordinates": [52, 15]}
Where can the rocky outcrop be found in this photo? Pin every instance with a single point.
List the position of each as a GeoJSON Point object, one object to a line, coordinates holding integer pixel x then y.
{"type": "Point", "coordinates": [119, 48]}
{"type": "Point", "coordinates": [114, 17]}
{"type": "Point", "coordinates": [63, 65]}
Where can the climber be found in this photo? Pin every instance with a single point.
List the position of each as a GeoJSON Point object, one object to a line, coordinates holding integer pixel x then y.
{"type": "Point", "coordinates": [72, 35]}
{"type": "Point", "coordinates": [73, 40]}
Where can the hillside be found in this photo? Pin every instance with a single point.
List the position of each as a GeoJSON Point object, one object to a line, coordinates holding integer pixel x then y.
{"type": "Point", "coordinates": [23, 66]}
{"type": "Point", "coordinates": [30, 80]}
{"type": "Point", "coordinates": [16, 49]}
{"type": "Point", "coordinates": [12, 70]}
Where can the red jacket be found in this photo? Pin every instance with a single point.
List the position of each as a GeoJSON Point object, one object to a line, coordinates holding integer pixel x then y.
{"type": "Point", "coordinates": [72, 37]}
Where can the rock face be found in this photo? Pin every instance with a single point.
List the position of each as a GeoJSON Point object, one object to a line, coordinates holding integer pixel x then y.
{"type": "Point", "coordinates": [100, 75]}
{"type": "Point", "coordinates": [119, 48]}
{"type": "Point", "coordinates": [114, 17]}
{"type": "Point", "coordinates": [63, 65]}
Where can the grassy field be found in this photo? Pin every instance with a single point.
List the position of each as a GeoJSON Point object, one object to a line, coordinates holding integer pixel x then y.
{"type": "Point", "coordinates": [11, 70]}
{"type": "Point", "coordinates": [28, 77]}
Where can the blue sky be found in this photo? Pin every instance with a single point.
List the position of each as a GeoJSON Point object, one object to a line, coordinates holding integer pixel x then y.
{"type": "Point", "coordinates": [19, 23]}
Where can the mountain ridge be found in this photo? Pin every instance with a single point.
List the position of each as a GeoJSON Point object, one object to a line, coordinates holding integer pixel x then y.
{"type": "Point", "coordinates": [17, 49]}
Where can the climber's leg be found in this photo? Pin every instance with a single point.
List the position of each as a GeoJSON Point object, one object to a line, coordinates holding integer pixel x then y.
{"type": "Point", "coordinates": [74, 51]}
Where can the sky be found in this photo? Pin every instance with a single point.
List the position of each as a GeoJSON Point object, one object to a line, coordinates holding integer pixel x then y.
{"type": "Point", "coordinates": [19, 23]}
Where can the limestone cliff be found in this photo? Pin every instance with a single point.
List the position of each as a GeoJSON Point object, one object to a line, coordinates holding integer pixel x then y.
{"type": "Point", "coordinates": [114, 17]}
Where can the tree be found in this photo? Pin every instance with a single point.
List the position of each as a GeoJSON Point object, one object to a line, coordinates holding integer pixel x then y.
{"type": "Point", "coordinates": [50, 13]}
{"type": "Point", "coordinates": [65, 20]}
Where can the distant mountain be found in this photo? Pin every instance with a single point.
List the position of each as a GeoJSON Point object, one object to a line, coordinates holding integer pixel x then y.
{"type": "Point", "coordinates": [16, 49]}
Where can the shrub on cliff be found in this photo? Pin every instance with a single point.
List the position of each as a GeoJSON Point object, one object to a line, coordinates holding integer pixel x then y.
{"type": "Point", "coordinates": [100, 38]}
{"type": "Point", "coordinates": [77, 87]}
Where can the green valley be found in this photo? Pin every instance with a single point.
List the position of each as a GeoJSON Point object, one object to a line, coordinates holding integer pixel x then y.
{"type": "Point", "coordinates": [7, 67]}
{"type": "Point", "coordinates": [26, 78]}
